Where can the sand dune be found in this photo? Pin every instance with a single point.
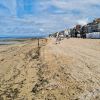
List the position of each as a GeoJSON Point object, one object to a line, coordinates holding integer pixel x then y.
{"type": "Point", "coordinates": [66, 71]}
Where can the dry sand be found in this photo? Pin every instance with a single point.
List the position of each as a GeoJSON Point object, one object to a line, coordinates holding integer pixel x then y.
{"type": "Point", "coordinates": [66, 71]}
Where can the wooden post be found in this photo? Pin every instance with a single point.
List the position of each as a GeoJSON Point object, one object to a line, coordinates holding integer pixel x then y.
{"type": "Point", "coordinates": [38, 43]}
{"type": "Point", "coordinates": [38, 52]}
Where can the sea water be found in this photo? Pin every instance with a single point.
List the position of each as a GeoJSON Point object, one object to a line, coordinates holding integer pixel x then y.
{"type": "Point", "coordinates": [12, 39]}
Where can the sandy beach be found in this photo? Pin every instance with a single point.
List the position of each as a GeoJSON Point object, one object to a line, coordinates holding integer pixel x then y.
{"type": "Point", "coordinates": [66, 71]}
{"type": "Point", "coordinates": [18, 69]}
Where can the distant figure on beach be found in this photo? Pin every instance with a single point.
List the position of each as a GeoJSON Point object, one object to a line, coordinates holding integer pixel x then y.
{"type": "Point", "coordinates": [83, 32]}
{"type": "Point", "coordinates": [67, 33]}
{"type": "Point", "coordinates": [50, 35]}
{"type": "Point", "coordinates": [58, 38]}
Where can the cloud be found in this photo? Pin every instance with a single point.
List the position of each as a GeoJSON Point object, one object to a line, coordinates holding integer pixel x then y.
{"type": "Point", "coordinates": [83, 21]}
{"type": "Point", "coordinates": [42, 30]}
{"type": "Point", "coordinates": [45, 16]}
{"type": "Point", "coordinates": [4, 10]}
{"type": "Point", "coordinates": [10, 5]}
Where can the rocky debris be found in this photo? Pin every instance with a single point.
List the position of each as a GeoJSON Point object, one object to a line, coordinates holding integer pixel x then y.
{"type": "Point", "coordinates": [50, 97]}
{"type": "Point", "coordinates": [42, 82]}
{"type": "Point", "coordinates": [9, 93]}
{"type": "Point", "coordinates": [39, 86]}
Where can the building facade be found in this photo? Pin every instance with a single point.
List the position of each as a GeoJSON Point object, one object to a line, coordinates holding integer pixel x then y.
{"type": "Point", "coordinates": [94, 26]}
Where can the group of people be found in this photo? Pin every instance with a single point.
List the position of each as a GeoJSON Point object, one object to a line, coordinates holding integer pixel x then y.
{"type": "Point", "coordinates": [69, 33]}
{"type": "Point", "coordinates": [61, 36]}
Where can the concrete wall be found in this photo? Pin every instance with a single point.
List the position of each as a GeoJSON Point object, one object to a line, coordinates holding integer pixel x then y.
{"type": "Point", "coordinates": [94, 35]}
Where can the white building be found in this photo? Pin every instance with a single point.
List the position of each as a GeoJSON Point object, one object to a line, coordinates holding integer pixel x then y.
{"type": "Point", "coordinates": [67, 31]}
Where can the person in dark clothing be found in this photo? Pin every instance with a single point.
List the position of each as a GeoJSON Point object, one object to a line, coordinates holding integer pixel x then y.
{"type": "Point", "coordinates": [83, 32]}
{"type": "Point", "coordinates": [76, 33]}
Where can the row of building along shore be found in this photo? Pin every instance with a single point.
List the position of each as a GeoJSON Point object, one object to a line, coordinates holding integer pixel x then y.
{"type": "Point", "coordinates": [90, 30]}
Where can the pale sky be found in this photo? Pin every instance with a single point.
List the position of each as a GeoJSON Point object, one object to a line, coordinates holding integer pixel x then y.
{"type": "Point", "coordinates": [34, 17]}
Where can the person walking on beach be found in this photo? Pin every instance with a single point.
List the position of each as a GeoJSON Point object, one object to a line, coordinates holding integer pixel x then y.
{"type": "Point", "coordinates": [58, 38]}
